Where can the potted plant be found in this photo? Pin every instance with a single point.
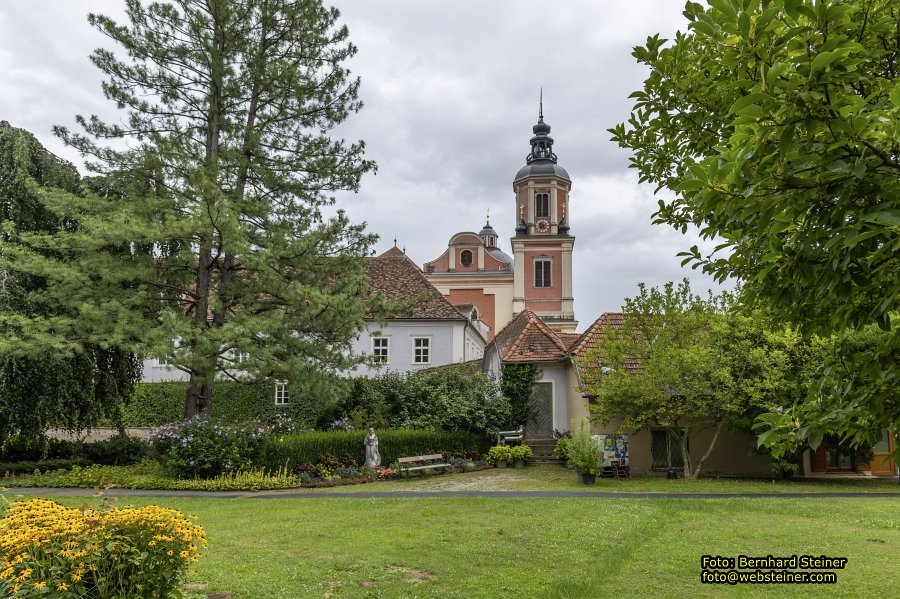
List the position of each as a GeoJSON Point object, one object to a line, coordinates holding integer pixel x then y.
{"type": "Point", "coordinates": [584, 455]}
{"type": "Point", "coordinates": [499, 455]}
{"type": "Point", "coordinates": [520, 455]}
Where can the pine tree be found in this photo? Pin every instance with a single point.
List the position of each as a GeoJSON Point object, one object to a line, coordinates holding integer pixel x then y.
{"type": "Point", "coordinates": [42, 384]}
{"type": "Point", "coordinates": [226, 170]}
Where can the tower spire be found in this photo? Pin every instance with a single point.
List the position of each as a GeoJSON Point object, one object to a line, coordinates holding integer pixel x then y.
{"type": "Point", "coordinates": [541, 105]}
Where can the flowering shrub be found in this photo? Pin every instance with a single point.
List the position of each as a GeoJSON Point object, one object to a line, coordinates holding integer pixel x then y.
{"type": "Point", "coordinates": [203, 448]}
{"type": "Point", "coordinates": [51, 550]}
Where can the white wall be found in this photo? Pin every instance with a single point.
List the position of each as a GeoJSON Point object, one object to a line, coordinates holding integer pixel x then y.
{"type": "Point", "coordinates": [155, 372]}
{"type": "Point", "coordinates": [451, 342]}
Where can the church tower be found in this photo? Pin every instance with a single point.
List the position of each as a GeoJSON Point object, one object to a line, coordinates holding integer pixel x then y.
{"type": "Point", "coordinates": [542, 246]}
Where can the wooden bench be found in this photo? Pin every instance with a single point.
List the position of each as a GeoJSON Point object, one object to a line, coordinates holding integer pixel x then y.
{"type": "Point", "coordinates": [421, 462]}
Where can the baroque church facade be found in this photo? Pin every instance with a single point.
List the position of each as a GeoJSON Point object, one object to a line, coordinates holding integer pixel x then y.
{"type": "Point", "coordinates": [474, 271]}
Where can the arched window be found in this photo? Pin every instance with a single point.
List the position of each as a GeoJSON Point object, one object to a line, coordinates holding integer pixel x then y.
{"type": "Point", "coordinates": [465, 258]}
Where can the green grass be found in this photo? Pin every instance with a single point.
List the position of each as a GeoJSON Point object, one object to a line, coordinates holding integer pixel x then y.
{"type": "Point", "coordinates": [556, 478]}
{"type": "Point", "coordinates": [330, 547]}
{"type": "Point", "coordinates": [533, 478]}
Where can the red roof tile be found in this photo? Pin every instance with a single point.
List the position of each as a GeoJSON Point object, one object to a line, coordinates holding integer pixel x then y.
{"type": "Point", "coordinates": [528, 339]}
{"type": "Point", "coordinates": [590, 338]}
{"type": "Point", "coordinates": [399, 280]}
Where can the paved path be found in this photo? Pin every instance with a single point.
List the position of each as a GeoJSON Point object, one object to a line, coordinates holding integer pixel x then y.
{"type": "Point", "coordinates": [297, 494]}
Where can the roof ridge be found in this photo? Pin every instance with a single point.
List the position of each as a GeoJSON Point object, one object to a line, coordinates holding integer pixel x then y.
{"type": "Point", "coordinates": [534, 319]}
{"type": "Point", "coordinates": [548, 331]}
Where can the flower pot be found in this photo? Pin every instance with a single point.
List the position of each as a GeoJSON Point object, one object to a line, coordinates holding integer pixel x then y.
{"type": "Point", "coordinates": [588, 479]}
{"type": "Point", "coordinates": [500, 463]}
{"type": "Point", "coordinates": [788, 474]}
{"type": "Point", "coordinates": [519, 463]}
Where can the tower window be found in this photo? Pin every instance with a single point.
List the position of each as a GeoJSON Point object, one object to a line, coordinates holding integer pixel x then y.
{"type": "Point", "coordinates": [542, 272]}
{"type": "Point", "coordinates": [465, 258]}
{"type": "Point", "coordinates": [542, 205]}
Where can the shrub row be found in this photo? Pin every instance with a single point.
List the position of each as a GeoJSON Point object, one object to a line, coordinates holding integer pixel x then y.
{"type": "Point", "coordinates": [294, 450]}
{"type": "Point", "coordinates": [154, 404]}
{"type": "Point", "coordinates": [19, 452]}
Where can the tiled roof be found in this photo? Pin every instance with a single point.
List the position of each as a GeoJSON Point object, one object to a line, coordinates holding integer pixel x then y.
{"type": "Point", "coordinates": [590, 338]}
{"type": "Point", "coordinates": [568, 339]}
{"type": "Point", "coordinates": [398, 279]}
{"type": "Point", "coordinates": [527, 339]}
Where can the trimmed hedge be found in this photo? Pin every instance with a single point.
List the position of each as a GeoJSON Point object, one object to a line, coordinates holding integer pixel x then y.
{"type": "Point", "coordinates": [153, 404]}
{"type": "Point", "coordinates": [298, 449]}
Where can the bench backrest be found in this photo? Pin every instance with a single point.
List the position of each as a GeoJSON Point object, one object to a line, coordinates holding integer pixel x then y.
{"type": "Point", "coordinates": [420, 458]}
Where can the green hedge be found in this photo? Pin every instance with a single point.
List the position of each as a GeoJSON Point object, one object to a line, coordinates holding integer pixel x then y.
{"type": "Point", "coordinates": [307, 448]}
{"type": "Point", "coordinates": [153, 404]}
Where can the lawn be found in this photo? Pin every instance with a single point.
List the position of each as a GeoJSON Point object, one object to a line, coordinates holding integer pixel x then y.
{"type": "Point", "coordinates": [533, 478]}
{"type": "Point", "coordinates": [548, 477]}
{"type": "Point", "coordinates": [332, 547]}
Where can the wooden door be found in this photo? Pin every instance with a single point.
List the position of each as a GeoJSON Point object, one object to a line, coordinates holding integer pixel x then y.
{"type": "Point", "coordinates": [540, 412]}
{"type": "Point", "coordinates": [880, 464]}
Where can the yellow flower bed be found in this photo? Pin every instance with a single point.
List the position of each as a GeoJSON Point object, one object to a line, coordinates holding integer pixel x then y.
{"type": "Point", "coordinates": [51, 550]}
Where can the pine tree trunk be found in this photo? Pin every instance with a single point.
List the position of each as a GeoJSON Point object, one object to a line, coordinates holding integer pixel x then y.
{"type": "Point", "coordinates": [203, 366]}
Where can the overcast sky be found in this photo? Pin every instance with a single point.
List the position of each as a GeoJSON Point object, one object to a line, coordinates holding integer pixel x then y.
{"type": "Point", "coordinates": [451, 93]}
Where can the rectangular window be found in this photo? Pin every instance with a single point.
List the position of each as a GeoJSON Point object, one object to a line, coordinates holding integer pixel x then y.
{"type": "Point", "coordinates": [281, 393]}
{"type": "Point", "coordinates": [542, 205]}
{"type": "Point", "coordinates": [421, 350]}
{"type": "Point", "coordinates": [241, 357]}
{"type": "Point", "coordinates": [665, 450]}
{"type": "Point", "coordinates": [380, 350]}
{"type": "Point", "coordinates": [542, 272]}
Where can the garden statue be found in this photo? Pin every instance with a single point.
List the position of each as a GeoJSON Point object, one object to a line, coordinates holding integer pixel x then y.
{"type": "Point", "coordinates": [373, 458]}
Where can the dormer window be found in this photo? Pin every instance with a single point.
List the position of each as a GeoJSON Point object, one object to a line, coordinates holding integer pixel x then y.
{"type": "Point", "coordinates": [465, 258]}
{"type": "Point", "coordinates": [542, 205]}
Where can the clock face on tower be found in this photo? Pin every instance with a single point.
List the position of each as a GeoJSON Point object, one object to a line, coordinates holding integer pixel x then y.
{"type": "Point", "coordinates": [542, 226]}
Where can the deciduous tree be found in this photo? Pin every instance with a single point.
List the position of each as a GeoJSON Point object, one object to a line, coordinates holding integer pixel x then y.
{"type": "Point", "coordinates": [776, 124]}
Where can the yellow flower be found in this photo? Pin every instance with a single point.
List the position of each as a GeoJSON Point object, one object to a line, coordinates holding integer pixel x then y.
{"type": "Point", "coordinates": [40, 585]}
{"type": "Point", "coordinates": [62, 587]}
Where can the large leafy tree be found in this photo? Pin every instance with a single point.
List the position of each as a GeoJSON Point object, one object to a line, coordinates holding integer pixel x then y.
{"type": "Point", "coordinates": [776, 123]}
{"type": "Point", "coordinates": [227, 163]}
{"type": "Point", "coordinates": [72, 388]}
{"type": "Point", "coordinates": [684, 363]}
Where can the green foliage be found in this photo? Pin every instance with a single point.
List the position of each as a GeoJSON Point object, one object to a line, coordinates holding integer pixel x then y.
{"type": "Point", "coordinates": [57, 551]}
{"type": "Point", "coordinates": [204, 448]}
{"type": "Point", "coordinates": [499, 453]}
{"type": "Point", "coordinates": [149, 475]}
{"type": "Point", "coordinates": [27, 453]}
{"type": "Point", "coordinates": [564, 448]}
{"type": "Point", "coordinates": [116, 451]}
{"type": "Point", "coordinates": [44, 382]}
{"type": "Point", "coordinates": [516, 383]}
{"type": "Point", "coordinates": [211, 221]}
{"type": "Point", "coordinates": [521, 453]}
{"type": "Point", "coordinates": [293, 451]}
{"type": "Point", "coordinates": [153, 404]}
{"type": "Point", "coordinates": [792, 160]}
{"type": "Point", "coordinates": [443, 399]}
{"type": "Point", "coordinates": [584, 451]}
{"type": "Point", "coordinates": [681, 362]}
